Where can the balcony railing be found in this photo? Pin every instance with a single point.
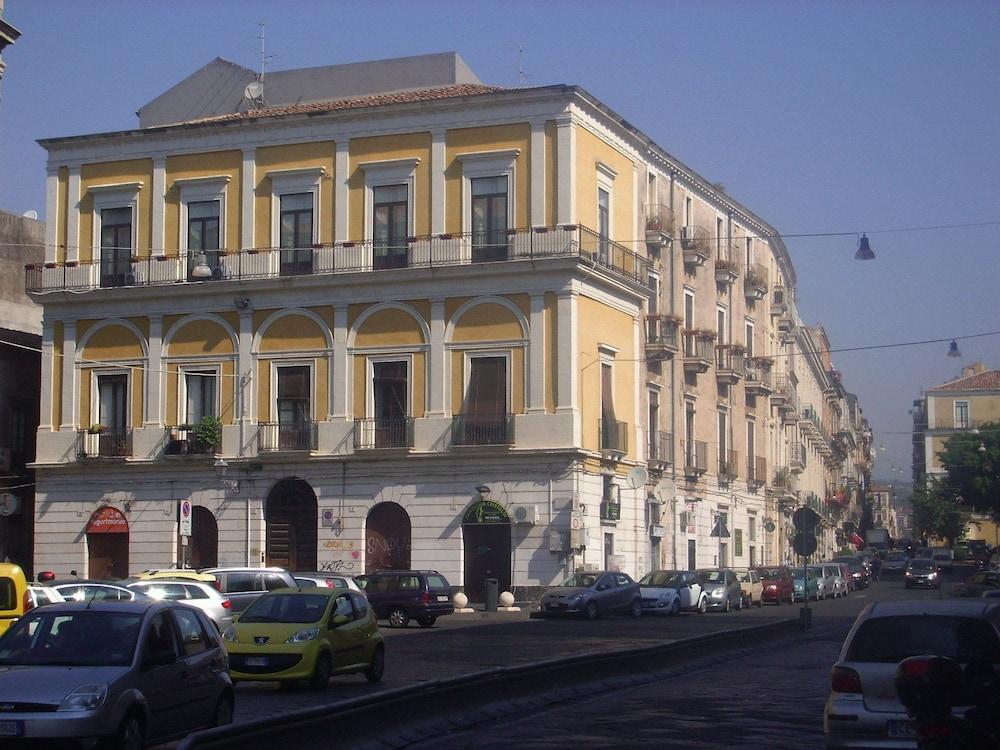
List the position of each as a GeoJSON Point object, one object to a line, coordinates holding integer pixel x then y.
{"type": "Point", "coordinates": [613, 435]}
{"type": "Point", "coordinates": [659, 223]}
{"type": "Point", "coordinates": [756, 470]}
{"type": "Point", "coordinates": [695, 457]}
{"type": "Point", "coordinates": [276, 436]}
{"type": "Point", "coordinates": [727, 264]}
{"type": "Point", "coordinates": [699, 350]}
{"type": "Point", "coordinates": [661, 449]}
{"type": "Point", "coordinates": [729, 363]}
{"type": "Point", "coordinates": [729, 462]}
{"type": "Point", "coordinates": [696, 244]}
{"type": "Point", "coordinates": [482, 429]}
{"type": "Point", "coordinates": [755, 282]}
{"type": "Point", "coordinates": [383, 433]}
{"type": "Point", "coordinates": [759, 380]}
{"type": "Point", "coordinates": [183, 440]}
{"type": "Point", "coordinates": [662, 333]}
{"type": "Point", "coordinates": [796, 456]}
{"type": "Point", "coordinates": [431, 251]}
{"type": "Point", "coordinates": [105, 444]}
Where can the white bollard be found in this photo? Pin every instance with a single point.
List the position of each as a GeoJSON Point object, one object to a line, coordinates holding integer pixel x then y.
{"type": "Point", "coordinates": [461, 602]}
{"type": "Point", "coordinates": [507, 603]}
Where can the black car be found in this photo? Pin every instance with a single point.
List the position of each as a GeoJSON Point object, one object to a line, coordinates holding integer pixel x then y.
{"type": "Point", "coordinates": [977, 583]}
{"type": "Point", "coordinates": [922, 572]}
{"type": "Point", "coordinates": [860, 573]}
{"type": "Point", "coordinates": [401, 595]}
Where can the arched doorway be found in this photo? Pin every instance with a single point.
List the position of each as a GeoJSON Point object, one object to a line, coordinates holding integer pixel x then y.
{"type": "Point", "coordinates": [204, 551]}
{"type": "Point", "coordinates": [387, 538]}
{"type": "Point", "coordinates": [486, 534]}
{"type": "Point", "coordinates": [291, 516]}
{"type": "Point", "coordinates": [107, 543]}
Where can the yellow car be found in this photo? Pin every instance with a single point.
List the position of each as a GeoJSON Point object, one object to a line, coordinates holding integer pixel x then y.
{"type": "Point", "coordinates": [14, 597]}
{"type": "Point", "coordinates": [305, 634]}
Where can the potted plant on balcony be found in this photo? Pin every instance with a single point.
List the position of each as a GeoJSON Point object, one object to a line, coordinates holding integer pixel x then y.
{"type": "Point", "coordinates": [95, 429]}
{"type": "Point", "coordinates": [207, 435]}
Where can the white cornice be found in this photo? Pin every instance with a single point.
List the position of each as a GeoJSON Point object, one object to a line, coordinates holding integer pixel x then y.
{"type": "Point", "coordinates": [509, 154]}
{"type": "Point", "coordinates": [303, 172]}
{"type": "Point", "coordinates": [198, 181]}
{"type": "Point", "coordinates": [410, 164]}
{"type": "Point", "coordinates": [113, 187]}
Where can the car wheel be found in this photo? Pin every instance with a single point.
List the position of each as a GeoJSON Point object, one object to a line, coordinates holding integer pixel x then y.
{"type": "Point", "coordinates": [321, 673]}
{"type": "Point", "coordinates": [377, 666]}
{"type": "Point", "coordinates": [727, 606]}
{"type": "Point", "coordinates": [426, 622]}
{"type": "Point", "coordinates": [702, 606]}
{"type": "Point", "coordinates": [635, 608]}
{"type": "Point", "coordinates": [398, 618]}
{"type": "Point", "coordinates": [591, 611]}
{"type": "Point", "coordinates": [130, 734]}
{"type": "Point", "coordinates": [740, 604]}
{"type": "Point", "coordinates": [223, 712]}
{"type": "Point", "coordinates": [675, 609]}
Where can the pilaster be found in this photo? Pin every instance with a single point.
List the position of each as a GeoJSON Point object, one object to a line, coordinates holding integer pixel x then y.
{"type": "Point", "coordinates": [248, 191]}
{"type": "Point", "coordinates": [70, 408]}
{"type": "Point", "coordinates": [536, 356]}
{"type": "Point", "coordinates": [436, 370]}
{"type": "Point", "coordinates": [154, 376]}
{"type": "Point", "coordinates": [341, 177]}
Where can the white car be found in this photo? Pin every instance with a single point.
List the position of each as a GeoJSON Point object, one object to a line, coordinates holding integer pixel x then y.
{"type": "Point", "coordinates": [327, 580]}
{"type": "Point", "coordinates": [672, 591]}
{"type": "Point", "coordinates": [43, 595]}
{"type": "Point", "coordinates": [751, 586]}
{"type": "Point", "coordinates": [196, 594]}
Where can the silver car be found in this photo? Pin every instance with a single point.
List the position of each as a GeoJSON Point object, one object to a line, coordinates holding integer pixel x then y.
{"type": "Point", "coordinates": [193, 593]}
{"type": "Point", "coordinates": [863, 709]}
{"type": "Point", "coordinates": [593, 595]}
{"type": "Point", "coordinates": [121, 672]}
{"type": "Point", "coordinates": [722, 589]}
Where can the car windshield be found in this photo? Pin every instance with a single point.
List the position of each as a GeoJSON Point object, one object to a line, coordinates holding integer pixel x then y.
{"type": "Point", "coordinates": [896, 556]}
{"type": "Point", "coordinates": [889, 640]}
{"type": "Point", "coordinates": [921, 565]}
{"type": "Point", "coordinates": [813, 573]}
{"type": "Point", "coordinates": [580, 580]}
{"type": "Point", "coordinates": [663, 578]}
{"type": "Point", "coordinates": [772, 574]}
{"type": "Point", "coordinates": [289, 608]}
{"type": "Point", "coordinates": [71, 639]}
{"type": "Point", "coordinates": [712, 576]}
{"type": "Point", "coordinates": [942, 555]}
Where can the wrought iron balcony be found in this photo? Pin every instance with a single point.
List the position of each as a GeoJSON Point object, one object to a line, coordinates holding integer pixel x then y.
{"type": "Point", "coordinates": [756, 470]}
{"type": "Point", "coordinates": [699, 351]}
{"type": "Point", "coordinates": [482, 429]}
{"type": "Point", "coordinates": [128, 270]}
{"type": "Point", "coordinates": [727, 265]}
{"type": "Point", "coordinates": [755, 282]}
{"type": "Point", "coordinates": [695, 244]}
{"type": "Point", "coordinates": [759, 381]}
{"type": "Point", "coordinates": [796, 457]}
{"type": "Point", "coordinates": [779, 300]}
{"type": "Point", "coordinates": [183, 440]}
{"type": "Point", "coordinates": [662, 336]}
{"type": "Point", "coordinates": [729, 363]}
{"type": "Point", "coordinates": [383, 433]}
{"type": "Point", "coordinates": [784, 482]}
{"type": "Point", "coordinates": [695, 458]}
{"type": "Point", "coordinates": [613, 436]}
{"type": "Point", "coordinates": [729, 462]}
{"type": "Point", "coordinates": [661, 450]}
{"type": "Point", "coordinates": [278, 436]}
{"type": "Point", "coordinates": [659, 225]}
{"type": "Point", "coordinates": [105, 444]}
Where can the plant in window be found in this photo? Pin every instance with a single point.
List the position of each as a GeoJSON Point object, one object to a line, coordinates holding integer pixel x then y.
{"type": "Point", "coordinates": [208, 434]}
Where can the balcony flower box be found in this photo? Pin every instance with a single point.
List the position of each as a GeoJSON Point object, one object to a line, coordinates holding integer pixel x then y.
{"type": "Point", "coordinates": [71, 264]}
{"type": "Point", "coordinates": [50, 265]}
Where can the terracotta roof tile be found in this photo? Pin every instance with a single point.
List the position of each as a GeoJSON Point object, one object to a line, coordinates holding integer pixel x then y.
{"type": "Point", "coordinates": [378, 100]}
{"type": "Point", "coordinates": [982, 381]}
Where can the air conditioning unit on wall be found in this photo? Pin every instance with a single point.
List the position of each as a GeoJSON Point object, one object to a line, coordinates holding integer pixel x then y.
{"type": "Point", "coordinates": [524, 515]}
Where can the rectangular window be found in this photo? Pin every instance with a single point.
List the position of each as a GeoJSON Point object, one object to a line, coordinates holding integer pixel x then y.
{"type": "Point", "coordinates": [688, 219]}
{"type": "Point", "coordinates": [689, 451]}
{"type": "Point", "coordinates": [293, 405]}
{"type": "Point", "coordinates": [689, 341]}
{"type": "Point", "coordinates": [749, 339]}
{"type": "Point", "coordinates": [738, 542]}
{"type": "Point", "coordinates": [961, 415]}
{"type": "Point", "coordinates": [296, 233]}
{"type": "Point", "coordinates": [692, 554]}
{"type": "Point", "coordinates": [604, 220]}
{"type": "Point", "coordinates": [390, 217]}
{"type": "Point", "coordinates": [653, 282]}
{"type": "Point", "coordinates": [489, 219]}
{"type": "Point", "coordinates": [749, 252]}
{"type": "Point", "coordinates": [200, 389]}
{"type": "Point", "coordinates": [112, 394]}
{"type": "Point", "coordinates": [116, 246]}
{"type": "Point", "coordinates": [723, 441]}
{"type": "Point", "coordinates": [720, 322]}
{"type": "Point", "coordinates": [607, 393]}
{"type": "Point", "coordinates": [389, 394]}
{"type": "Point", "coordinates": [752, 449]}
{"type": "Point", "coordinates": [719, 228]}
{"type": "Point", "coordinates": [203, 236]}
{"type": "Point", "coordinates": [752, 528]}
{"type": "Point", "coordinates": [484, 421]}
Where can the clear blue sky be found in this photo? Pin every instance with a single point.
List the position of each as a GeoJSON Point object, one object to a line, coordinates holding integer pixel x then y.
{"type": "Point", "coordinates": [819, 116]}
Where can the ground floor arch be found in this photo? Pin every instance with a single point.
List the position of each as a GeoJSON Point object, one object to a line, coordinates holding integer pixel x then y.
{"type": "Point", "coordinates": [107, 543]}
{"type": "Point", "coordinates": [291, 517]}
{"type": "Point", "coordinates": [203, 549]}
{"type": "Point", "coordinates": [487, 547]}
{"type": "Point", "coordinates": [387, 538]}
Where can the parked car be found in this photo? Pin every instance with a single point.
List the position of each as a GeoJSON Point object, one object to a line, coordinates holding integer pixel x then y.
{"type": "Point", "coordinates": [895, 561]}
{"type": "Point", "coordinates": [242, 585]}
{"type": "Point", "coordinates": [401, 595]}
{"type": "Point", "coordinates": [922, 572]}
{"type": "Point", "coordinates": [691, 595]}
{"type": "Point", "coordinates": [41, 595]}
{"type": "Point", "coordinates": [977, 583]}
{"type": "Point", "coordinates": [751, 587]}
{"type": "Point", "coordinates": [806, 582]}
{"type": "Point", "coordinates": [848, 578]}
{"type": "Point", "coordinates": [863, 708]}
{"type": "Point", "coordinates": [14, 599]}
{"type": "Point", "coordinates": [592, 595]}
{"type": "Point", "coordinates": [86, 590]}
{"type": "Point", "coordinates": [943, 558]}
{"type": "Point", "coordinates": [825, 582]}
{"type": "Point", "coordinates": [660, 593]}
{"type": "Point", "coordinates": [834, 584]}
{"type": "Point", "coordinates": [203, 596]}
{"type": "Point", "coordinates": [722, 588]}
{"type": "Point", "coordinates": [306, 634]}
{"type": "Point", "coordinates": [123, 672]}
{"type": "Point", "coordinates": [778, 586]}
{"type": "Point", "coordinates": [326, 580]}
{"type": "Point", "coordinates": [860, 573]}
{"type": "Point", "coordinates": [177, 574]}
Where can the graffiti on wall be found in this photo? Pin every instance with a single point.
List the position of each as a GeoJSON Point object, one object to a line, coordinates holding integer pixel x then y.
{"type": "Point", "coordinates": [345, 556]}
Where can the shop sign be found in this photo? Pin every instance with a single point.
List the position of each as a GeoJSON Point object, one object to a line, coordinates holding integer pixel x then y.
{"type": "Point", "coordinates": [486, 511]}
{"type": "Point", "coordinates": [657, 532]}
{"type": "Point", "coordinates": [107, 520]}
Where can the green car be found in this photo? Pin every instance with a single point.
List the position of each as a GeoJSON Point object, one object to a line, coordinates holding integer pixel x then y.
{"type": "Point", "coordinates": [811, 585]}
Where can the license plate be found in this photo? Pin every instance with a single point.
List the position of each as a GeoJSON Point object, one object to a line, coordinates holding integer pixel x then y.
{"type": "Point", "coordinates": [901, 729]}
{"type": "Point", "coordinates": [256, 661]}
{"type": "Point", "coordinates": [10, 729]}
{"type": "Point", "coordinates": [442, 598]}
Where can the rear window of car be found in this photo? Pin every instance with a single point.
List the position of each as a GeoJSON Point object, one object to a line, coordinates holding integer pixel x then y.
{"type": "Point", "coordinates": [195, 592]}
{"type": "Point", "coordinates": [888, 640]}
{"type": "Point", "coordinates": [8, 597]}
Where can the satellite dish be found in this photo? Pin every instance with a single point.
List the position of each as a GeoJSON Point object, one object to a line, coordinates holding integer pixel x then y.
{"type": "Point", "coordinates": [666, 490]}
{"type": "Point", "coordinates": [637, 478]}
{"type": "Point", "coordinates": [32, 214]}
{"type": "Point", "coordinates": [254, 90]}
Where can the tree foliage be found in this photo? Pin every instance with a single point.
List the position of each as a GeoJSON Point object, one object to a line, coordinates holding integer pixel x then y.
{"type": "Point", "coordinates": [936, 510]}
{"type": "Point", "coordinates": [974, 474]}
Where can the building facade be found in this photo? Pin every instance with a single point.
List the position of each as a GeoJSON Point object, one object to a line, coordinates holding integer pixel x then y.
{"type": "Point", "coordinates": [499, 333]}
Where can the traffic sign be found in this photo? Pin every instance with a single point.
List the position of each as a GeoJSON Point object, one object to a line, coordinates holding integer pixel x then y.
{"type": "Point", "coordinates": [804, 543]}
{"type": "Point", "coordinates": [185, 518]}
{"type": "Point", "coordinates": [805, 519]}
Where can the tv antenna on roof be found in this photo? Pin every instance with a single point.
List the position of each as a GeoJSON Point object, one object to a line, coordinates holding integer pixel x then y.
{"type": "Point", "coordinates": [522, 77]}
{"type": "Point", "coordinates": [254, 92]}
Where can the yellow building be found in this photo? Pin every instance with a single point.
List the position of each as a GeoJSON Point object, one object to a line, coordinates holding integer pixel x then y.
{"type": "Point", "coordinates": [438, 323]}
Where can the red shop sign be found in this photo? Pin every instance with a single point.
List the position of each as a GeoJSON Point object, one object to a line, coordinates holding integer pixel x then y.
{"type": "Point", "coordinates": [107, 520]}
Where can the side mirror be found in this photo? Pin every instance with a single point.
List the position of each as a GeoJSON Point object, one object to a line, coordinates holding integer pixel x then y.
{"type": "Point", "coordinates": [337, 620]}
{"type": "Point", "coordinates": [236, 616]}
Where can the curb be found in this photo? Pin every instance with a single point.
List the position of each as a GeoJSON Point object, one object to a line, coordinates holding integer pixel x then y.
{"type": "Point", "coordinates": [459, 701]}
